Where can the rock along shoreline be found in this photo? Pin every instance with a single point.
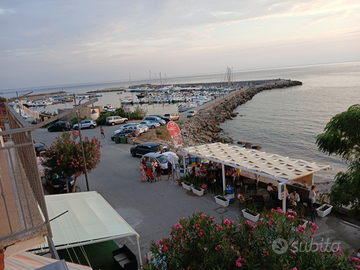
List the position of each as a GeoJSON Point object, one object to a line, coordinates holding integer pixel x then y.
{"type": "Point", "coordinates": [204, 127]}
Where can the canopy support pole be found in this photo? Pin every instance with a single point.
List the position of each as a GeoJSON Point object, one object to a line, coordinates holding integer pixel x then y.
{"type": "Point", "coordinates": [223, 175]}
{"type": "Point", "coordinates": [284, 200]}
{"type": "Point", "coordinates": [138, 248]}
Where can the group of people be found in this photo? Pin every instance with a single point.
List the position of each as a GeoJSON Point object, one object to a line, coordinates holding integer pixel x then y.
{"type": "Point", "coordinates": [149, 170]}
{"type": "Point", "coordinates": [293, 199]}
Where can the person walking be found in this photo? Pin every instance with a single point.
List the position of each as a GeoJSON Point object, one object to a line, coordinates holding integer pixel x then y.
{"type": "Point", "coordinates": [158, 171]}
{"type": "Point", "coordinates": [169, 169]}
{"type": "Point", "coordinates": [102, 133]}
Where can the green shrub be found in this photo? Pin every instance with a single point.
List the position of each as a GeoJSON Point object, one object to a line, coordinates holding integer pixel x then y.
{"type": "Point", "coordinates": [138, 114]}
{"type": "Point", "coordinates": [74, 120]}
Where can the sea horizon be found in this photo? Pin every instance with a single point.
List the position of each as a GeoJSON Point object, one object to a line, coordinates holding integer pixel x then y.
{"type": "Point", "coordinates": [214, 77]}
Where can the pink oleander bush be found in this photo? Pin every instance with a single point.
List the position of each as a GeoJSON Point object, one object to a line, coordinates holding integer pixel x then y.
{"type": "Point", "coordinates": [64, 157]}
{"type": "Point", "coordinates": [198, 242]}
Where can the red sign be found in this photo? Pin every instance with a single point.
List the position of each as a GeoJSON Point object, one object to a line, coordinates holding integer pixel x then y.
{"type": "Point", "coordinates": [175, 133]}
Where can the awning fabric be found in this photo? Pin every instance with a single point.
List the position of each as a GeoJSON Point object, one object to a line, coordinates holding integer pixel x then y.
{"type": "Point", "coordinates": [90, 218]}
{"type": "Point", "coordinates": [28, 261]}
{"type": "Point", "coordinates": [275, 166]}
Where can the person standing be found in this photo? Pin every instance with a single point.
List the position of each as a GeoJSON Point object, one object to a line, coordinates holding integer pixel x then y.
{"type": "Point", "coordinates": [158, 171]}
{"type": "Point", "coordinates": [169, 169]}
{"type": "Point", "coordinates": [143, 174]}
{"type": "Point", "coordinates": [153, 165]}
{"type": "Point", "coordinates": [102, 133]}
{"type": "Point", "coordinates": [312, 195]}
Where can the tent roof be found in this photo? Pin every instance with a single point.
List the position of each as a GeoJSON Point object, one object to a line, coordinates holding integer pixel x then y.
{"type": "Point", "coordinates": [90, 218]}
{"type": "Point", "coordinates": [28, 261]}
{"type": "Point", "coordinates": [255, 161]}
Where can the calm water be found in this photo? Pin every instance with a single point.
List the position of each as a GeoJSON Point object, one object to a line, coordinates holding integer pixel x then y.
{"type": "Point", "coordinates": [286, 121]}
{"type": "Point", "coordinates": [283, 121]}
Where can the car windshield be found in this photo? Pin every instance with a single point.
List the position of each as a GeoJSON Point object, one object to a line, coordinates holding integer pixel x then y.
{"type": "Point", "coordinates": [191, 112]}
{"type": "Point", "coordinates": [162, 158]}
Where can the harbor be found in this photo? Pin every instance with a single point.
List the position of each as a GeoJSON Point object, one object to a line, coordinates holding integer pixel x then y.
{"type": "Point", "coordinates": [153, 98]}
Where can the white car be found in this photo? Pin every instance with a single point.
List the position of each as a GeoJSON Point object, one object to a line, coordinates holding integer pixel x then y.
{"type": "Point", "coordinates": [85, 124]}
{"type": "Point", "coordinates": [149, 124]}
{"type": "Point", "coordinates": [133, 126]}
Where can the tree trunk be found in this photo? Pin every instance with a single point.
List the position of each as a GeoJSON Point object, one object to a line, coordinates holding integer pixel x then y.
{"type": "Point", "coordinates": [67, 184]}
{"type": "Point", "coordinates": [74, 186]}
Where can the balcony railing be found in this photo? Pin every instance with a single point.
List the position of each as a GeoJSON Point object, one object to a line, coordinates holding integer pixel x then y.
{"type": "Point", "coordinates": [22, 204]}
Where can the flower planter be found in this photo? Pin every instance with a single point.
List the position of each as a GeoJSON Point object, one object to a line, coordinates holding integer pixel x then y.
{"type": "Point", "coordinates": [221, 202]}
{"type": "Point", "coordinates": [323, 213]}
{"type": "Point", "coordinates": [198, 192]}
{"type": "Point", "coordinates": [187, 187]}
{"type": "Point", "coordinates": [250, 217]}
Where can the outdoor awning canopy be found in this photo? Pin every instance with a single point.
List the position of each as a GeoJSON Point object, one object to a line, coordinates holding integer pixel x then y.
{"type": "Point", "coordinates": [90, 219]}
{"type": "Point", "coordinates": [273, 166]}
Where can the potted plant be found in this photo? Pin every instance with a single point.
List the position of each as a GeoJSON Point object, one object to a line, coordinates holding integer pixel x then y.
{"type": "Point", "coordinates": [187, 183]}
{"type": "Point", "coordinates": [196, 188]}
{"type": "Point", "coordinates": [250, 212]}
{"type": "Point", "coordinates": [324, 208]}
{"type": "Point", "coordinates": [220, 198]}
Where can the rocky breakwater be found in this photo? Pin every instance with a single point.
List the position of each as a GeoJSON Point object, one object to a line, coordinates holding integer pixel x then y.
{"type": "Point", "coordinates": [205, 126]}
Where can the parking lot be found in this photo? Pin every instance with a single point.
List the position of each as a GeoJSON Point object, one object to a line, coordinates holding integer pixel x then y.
{"type": "Point", "coordinates": [150, 208]}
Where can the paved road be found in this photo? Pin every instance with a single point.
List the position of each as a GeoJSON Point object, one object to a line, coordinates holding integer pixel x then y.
{"type": "Point", "coordinates": [151, 209]}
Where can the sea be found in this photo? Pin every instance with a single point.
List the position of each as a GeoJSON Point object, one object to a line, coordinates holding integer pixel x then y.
{"type": "Point", "coordinates": [282, 121]}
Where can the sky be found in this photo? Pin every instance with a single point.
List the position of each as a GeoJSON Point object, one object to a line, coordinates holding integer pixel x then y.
{"type": "Point", "coordinates": [44, 43]}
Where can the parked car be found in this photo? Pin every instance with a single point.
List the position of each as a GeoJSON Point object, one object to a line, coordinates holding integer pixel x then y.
{"type": "Point", "coordinates": [114, 120]}
{"type": "Point", "coordinates": [57, 184]}
{"type": "Point", "coordinates": [85, 124]}
{"type": "Point", "coordinates": [171, 117]}
{"type": "Point", "coordinates": [161, 117]}
{"type": "Point", "coordinates": [150, 124]}
{"type": "Point", "coordinates": [39, 147]}
{"type": "Point", "coordinates": [132, 126]}
{"type": "Point", "coordinates": [191, 114]}
{"type": "Point", "coordinates": [59, 126]}
{"type": "Point", "coordinates": [155, 119]}
{"type": "Point", "coordinates": [144, 148]}
{"type": "Point", "coordinates": [124, 133]}
{"type": "Point", "coordinates": [160, 158]}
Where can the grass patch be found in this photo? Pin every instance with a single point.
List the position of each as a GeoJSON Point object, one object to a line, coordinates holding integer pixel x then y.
{"type": "Point", "coordinates": [162, 133]}
{"type": "Point", "coordinates": [179, 122]}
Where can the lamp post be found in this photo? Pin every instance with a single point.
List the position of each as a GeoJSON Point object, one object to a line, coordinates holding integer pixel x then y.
{"type": "Point", "coordinates": [82, 147]}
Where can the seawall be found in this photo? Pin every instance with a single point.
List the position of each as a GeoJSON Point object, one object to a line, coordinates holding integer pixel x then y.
{"type": "Point", "coordinates": [204, 127]}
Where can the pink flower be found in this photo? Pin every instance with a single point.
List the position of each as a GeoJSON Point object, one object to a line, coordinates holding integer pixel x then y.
{"type": "Point", "coordinates": [290, 217]}
{"type": "Point", "coordinates": [238, 262]}
{"type": "Point", "coordinates": [205, 249]}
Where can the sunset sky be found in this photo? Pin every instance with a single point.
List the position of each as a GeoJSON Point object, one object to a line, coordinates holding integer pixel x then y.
{"type": "Point", "coordinates": [67, 42]}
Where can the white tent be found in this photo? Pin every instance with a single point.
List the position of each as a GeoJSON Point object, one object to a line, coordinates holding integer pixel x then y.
{"type": "Point", "coordinates": [88, 218]}
{"type": "Point", "coordinates": [256, 164]}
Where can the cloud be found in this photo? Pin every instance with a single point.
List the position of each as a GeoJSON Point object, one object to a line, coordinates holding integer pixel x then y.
{"type": "Point", "coordinates": [109, 33]}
